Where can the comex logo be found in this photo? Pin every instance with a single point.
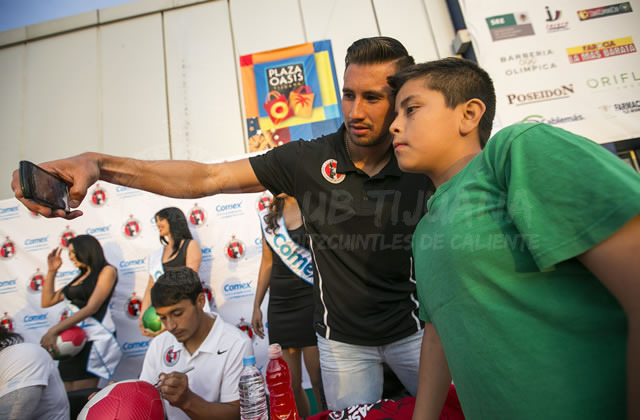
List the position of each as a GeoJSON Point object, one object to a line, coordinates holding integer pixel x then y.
{"type": "Point", "coordinates": [237, 290]}
{"type": "Point", "coordinates": [132, 266]}
{"type": "Point", "coordinates": [32, 322]}
{"type": "Point", "coordinates": [207, 253]}
{"type": "Point", "coordinates": [229, 210]}
{"type": "Point", "coordinates": [8, 213]}
{"type": "Point", "coordinates": [99, 232]}
{"type": "Point", "coordinates": [8, 286]}
{"type": "Point", "coordinates": [135, 348]}
{"type": "Point", "coordinates": [36, 244]}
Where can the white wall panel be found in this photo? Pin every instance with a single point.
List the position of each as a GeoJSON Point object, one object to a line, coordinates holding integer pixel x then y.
{"type": "Point", "coordinates": [11, 103]}
{"type": "Point", "coordinates": [407, 21]}
{"type": "Point", "coordinates": [442, 31]}
{"type": "Point", "coordinates": [340, 21]}
{"type": "Point", "coordinates": [61, 99]}
{"type": "Point", "coordinates": [134, 104]}
{"type": "Point", "coordinates": [260, 25]}
{"type": "Point", "coordinates": [204, 106]}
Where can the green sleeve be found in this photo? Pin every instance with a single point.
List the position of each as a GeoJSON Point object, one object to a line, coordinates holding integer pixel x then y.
{"type": "Point", "coordinates": [565, 193]}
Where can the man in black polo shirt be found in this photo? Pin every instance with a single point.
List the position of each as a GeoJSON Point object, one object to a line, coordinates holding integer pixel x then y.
{"type": "Point", "coordinates": [359, 209]}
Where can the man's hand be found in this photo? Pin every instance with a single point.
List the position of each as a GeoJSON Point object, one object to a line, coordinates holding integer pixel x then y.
{"type": "Point", "coordinates": [80, 172]}
{"type": "Point", "coordinates": [174, 388]}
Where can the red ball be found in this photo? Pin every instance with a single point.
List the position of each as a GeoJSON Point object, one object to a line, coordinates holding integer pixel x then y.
{"type": "Point", "coordinates": [69, 343]}
{"type": "Point", "coordinates": [131, 399]}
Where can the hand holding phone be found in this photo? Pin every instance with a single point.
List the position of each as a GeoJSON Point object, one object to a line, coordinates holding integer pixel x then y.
{"type": "Point", "coordinates": [43, 187]}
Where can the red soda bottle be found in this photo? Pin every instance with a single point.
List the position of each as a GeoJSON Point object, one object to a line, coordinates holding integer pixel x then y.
{"type": "Point", "coordinates": [281, 401]}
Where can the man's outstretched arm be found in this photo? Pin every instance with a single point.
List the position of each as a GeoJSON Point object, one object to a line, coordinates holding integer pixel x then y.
{"type": "Point", "coordinates": [171, 178]}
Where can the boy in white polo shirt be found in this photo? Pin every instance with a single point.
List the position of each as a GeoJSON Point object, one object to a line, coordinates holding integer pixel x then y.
{"type": "Point", "coordinates": [194, 340]}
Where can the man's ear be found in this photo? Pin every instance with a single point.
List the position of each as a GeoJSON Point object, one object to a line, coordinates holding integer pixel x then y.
{"type": "Point", "coordinates": [472, 112]}
{"type": "Point", "coordinates": [200, 301]}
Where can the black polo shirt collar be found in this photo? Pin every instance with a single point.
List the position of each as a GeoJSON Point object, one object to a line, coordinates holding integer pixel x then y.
{"type": "Point", "coordinates": [345, 165]}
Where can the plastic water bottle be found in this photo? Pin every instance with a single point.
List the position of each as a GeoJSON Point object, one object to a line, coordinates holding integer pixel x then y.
{"type": "Point", "coordinates": [253, 398]}
{"type": "Point", "coordinates": [281, 400]}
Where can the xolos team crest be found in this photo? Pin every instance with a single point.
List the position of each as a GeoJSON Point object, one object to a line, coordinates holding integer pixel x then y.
{"type": "Point", "coordinates": [98, 196]}
{"type": "Point", "coordinates": [264, 201]}
{"type": "Point", "coordinates": [329, 172]}
{"type": "Point", "coordinates": [131, 228]}
{"type": "Point", "coordinates": [197, 216]}
{"type": "Point", "coordinates": [133, 306]}
{"type": "Point", "coordinates": [36, 281]}
{"type": "Point", "coordinates": [66, 236]}
{"type": "Point", "coordinates": [234, 250]}
{"type": "Point", "coordinates": [8, 249]}
{"type": "Point", "coordinates": [245, 327]}
{"type": "Point", "coordinates": [7, 322]}
{"type": "Point", "coordinates": [171, 357]}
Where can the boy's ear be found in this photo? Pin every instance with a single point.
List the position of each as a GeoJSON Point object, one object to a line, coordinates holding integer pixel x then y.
{"type": "Point", "coordinates": [200, 301]}
{"type": "Point", "coordinates": [472, 112]}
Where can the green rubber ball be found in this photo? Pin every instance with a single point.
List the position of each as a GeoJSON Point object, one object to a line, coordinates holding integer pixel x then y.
{"type": "Point", "coordinates": [151, 320]}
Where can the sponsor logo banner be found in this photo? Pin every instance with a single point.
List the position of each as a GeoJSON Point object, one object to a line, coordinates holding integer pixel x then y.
{"type": "Point", "coordinates": [32, 322]}
{"type": "Point", "coordinates": [602, 49]}
{"type": "Point", "coordinates": [552, 120]}
{"type": "Point", "coordinates": [560, 92]}
{"type": "Point", "coordinates": [620, 80]}
{"type": "Point", "coordinates": [132, 266]}
{"type": "Point", "coordinates": [135, 349]}
{"type": "Point", "coordinates": [628, 107]}
{"type": "Point", "coordinates": [611, 10]}
{"type": "Point", "coordinates": [554, 23]}
{"type": "Point", "coordinates": [36, 244]}
{"type": "Point", "coordinates": [8, 286]}
{"type": "Point", "coordinates": [528, 62]}
{"type": "Point", "coordinates": [511, 25]}
{"type": "Point", "coordinates": [8, 213]}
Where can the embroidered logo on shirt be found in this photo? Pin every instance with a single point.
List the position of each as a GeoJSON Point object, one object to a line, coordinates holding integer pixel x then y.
{"type": "Point", "coordinates": [222, 351]}
{"type": "Point", "coordinates": [329, 172]}
{"type": "Point", "coordinates": [171, 357]}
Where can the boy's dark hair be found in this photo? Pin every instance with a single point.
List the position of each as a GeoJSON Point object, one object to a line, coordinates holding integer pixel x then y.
{"type": "Point", "coordinates": [175, 285]}
{"type": "Point", "coordinates": [177, 227]}
{"type": "Point", "coordinates": [379, 49]}
{"type": "Point", "coordinates": [88, 251]}
{"type": "Point", "coordinates": [459, 80]}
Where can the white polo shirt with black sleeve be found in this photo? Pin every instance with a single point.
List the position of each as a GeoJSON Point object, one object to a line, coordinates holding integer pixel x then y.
{"type": "Point", "coordinates": [217, 363]}
{"type": "Point", "coordinates": [360, 230]}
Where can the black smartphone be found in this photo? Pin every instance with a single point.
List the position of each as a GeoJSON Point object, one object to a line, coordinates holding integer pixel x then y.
{"type": "Point", "coordinates": [43, 187]}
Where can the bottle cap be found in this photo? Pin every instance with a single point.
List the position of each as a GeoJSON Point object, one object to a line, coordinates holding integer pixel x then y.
{"type": "Point", "coordinates": [249, 361]}
{"type": "Point", "coordinates": [275, 351]}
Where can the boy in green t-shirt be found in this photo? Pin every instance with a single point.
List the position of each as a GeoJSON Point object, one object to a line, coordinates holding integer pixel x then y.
{"type": "Point", "coordinates": [527, 262]}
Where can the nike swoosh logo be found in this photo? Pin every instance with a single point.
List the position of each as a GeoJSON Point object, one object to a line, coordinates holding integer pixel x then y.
{"type": "Point", "coordinates": [224, 351]}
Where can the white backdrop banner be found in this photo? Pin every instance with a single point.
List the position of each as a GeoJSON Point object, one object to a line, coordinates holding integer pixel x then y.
{"type": "Point", "coordinates": [122, 219]}
{"type": "Point", "coordinates": [568, 63]}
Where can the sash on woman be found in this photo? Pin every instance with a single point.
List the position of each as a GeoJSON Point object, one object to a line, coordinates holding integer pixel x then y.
{"type": "Point", "coordinates": [105, 354]}
{"type": "Point", "coordinates": [296, 257]}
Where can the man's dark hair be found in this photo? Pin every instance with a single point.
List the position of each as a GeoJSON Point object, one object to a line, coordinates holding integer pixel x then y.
{"type": "Point", "coordinates": [376, 50]}
{"type": "Point", "coordinates": [458, 80]}
{"type": "Point", "coordinates": [175, 285]}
